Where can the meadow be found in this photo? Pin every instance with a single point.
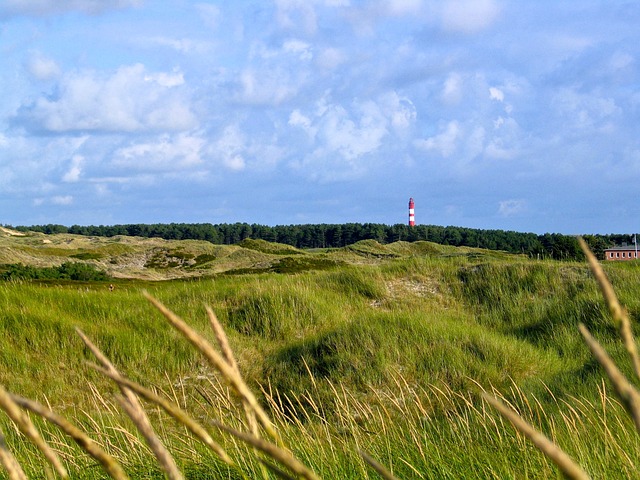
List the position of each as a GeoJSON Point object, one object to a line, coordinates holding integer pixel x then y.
{"type": "Point", "coordinates": [381, 349]}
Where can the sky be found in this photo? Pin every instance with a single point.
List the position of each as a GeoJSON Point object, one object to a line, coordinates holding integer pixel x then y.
{"type": "Point", "coordinates": [491, 114]}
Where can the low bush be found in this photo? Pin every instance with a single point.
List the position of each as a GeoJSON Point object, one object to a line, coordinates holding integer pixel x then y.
{"type": "Point", "coordinates": [76, 271]}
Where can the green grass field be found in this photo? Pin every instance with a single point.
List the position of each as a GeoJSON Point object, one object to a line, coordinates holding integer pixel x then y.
{"type": "Point", "coordinates": [378, 348]}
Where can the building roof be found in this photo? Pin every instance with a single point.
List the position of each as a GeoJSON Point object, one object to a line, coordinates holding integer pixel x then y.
{"type": "Point", "coordinates": [620, 247]}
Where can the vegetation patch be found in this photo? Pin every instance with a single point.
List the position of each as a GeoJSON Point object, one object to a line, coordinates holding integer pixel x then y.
{"type": "Point", "coordinates": [162, 258]}
{"type": "Point", "coordinates": [370, 351]}
{"type": "Point", "coordinates": [245, 271]}
{"type": "Point", "coordinates": [301, 264]}
{"type": "Point", "coordinates": [539, 302]}
{"type": "Point", "coordinates": [269, 247]}
{"type": "Point", "coordinates": [371, 248]}
{"type": "Point", "coordinates": [203, 259]}
{"type": "Point", "coordinates": [272, 313]}
{"type": "Point", "coordinates": [390, 355]}
{"type": "Point", "coordinates": [67, 271]}
{"type": "Point", "coordinates": [361, 281]}
{"type": "Point", "coordinates": [557, 246]}
{"type": "Point", "coordinates": [420, 247]}
{"type": "Point", "coordinates": [86, 256]}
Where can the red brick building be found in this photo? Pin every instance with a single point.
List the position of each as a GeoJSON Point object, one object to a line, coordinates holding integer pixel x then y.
{"type": "Point", "coordinates": [624, 252]}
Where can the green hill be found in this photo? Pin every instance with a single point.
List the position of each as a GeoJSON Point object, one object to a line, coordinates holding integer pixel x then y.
{"type": "Point", "coordinates": [384, 348]}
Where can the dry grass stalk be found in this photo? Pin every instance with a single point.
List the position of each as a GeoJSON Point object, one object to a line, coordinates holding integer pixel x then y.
{"type": "Point", "coordinates": [567, 466]}
{"type": "Point", "coordinates": [111, 466]}
{"type": "Point", "coordinates": [618, 313]}
{"type": "Point", "coordinates": [172, 409]}
{"type": "Point", "coordinates": [275, 470]}
{"type": "Point", "coordinates": [27, 427]}
{"type": "Point", "coordinates": [283, 456]}
{"type": "Point", "coordinates": [219, 363]}
{"type": "Point", "coordinates": [222, 339]}
{"type": "Point", "coordinates": [135, 411]}
{"type": "Point", "coordinates": [9, 462]}
{"type": "Point", "coordinates": [227, 352]}
{"type": "Point", "coordinates": [165, 460]}
{"type": "Point", "coordinates": [380, 469]}
{"type": "Point", "coordinates": [629, 396]}
{"type": "Point", "coordinates": [106, 363]}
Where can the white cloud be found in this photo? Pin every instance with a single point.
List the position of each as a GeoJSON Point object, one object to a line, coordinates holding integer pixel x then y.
{"type": "Point", "coordinates": [452, 89]}
{"type": "Point", "coordinates": [496, 149]}
{"type": "Point", "coordinates": [505, 144]}
{"type": "Point", "coordinates": [403, 7]}
{"type": "Point", "coordinates": [229, 148]}
{"type": "Point", "coordinates": [274, 75]}
{"type": "Point", "coordinates": [75, 170]}
{"type": "Point", "coordinates": [62, 200]}
{"type": "Point", "coordinates": [621, 61]}
{"type": "Point", "coordinates": [210, 14]}
{"type": "Point", "coordinates": [582, 111]}
{"type": "Point", "coordinates": [496, 94]}
{"type": "Point", "coordinates": [469, 16]}
{"type": "Point", "coordinates": [297, 119]}
{"type": "Point", "coordinates": [351, 136]}
{"type": "Point", "coordinates": [331, 58]}
{"type": "Point", "coordinates": [446, 142]}
{"type": "Point", "coordinates": [182, 45]}
{"type": "Point", "coordinates": [129, 100]}
{"type": "Point", "coordinates": [400, 110]}
{"type": "Point", "coordinates": [298, 47]}
{"type": "Point", "coordinates": [366, 17]}
{"type": "Point", "coordinates": [268, 86]}
{"type": "Point", "coordinates": [42, 67]}
{"type": "Point", "coordinates": [28, 163]}
{"type": "Point", "coordinates": [166, 79]}
{"type": "Point", "coordinates": [475, 142]}
{"type": "Point", "coordinates": [343, 137]}
{"type": "Point", "coordinates": [55, 7]}
{"type": "Point", "coordinates": [166, 153]}
{"type": "Point", "coordinates": [102, 190]}
{"type": "Point", "coordinates": [509, 208]}
{"type": "Point", "coordinates": [297, 15]}
{"type": "Point", "coordinates": [361, 131]}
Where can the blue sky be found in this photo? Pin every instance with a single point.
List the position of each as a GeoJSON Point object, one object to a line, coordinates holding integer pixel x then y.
{"type": "Point", "coordinates": [490, 113]}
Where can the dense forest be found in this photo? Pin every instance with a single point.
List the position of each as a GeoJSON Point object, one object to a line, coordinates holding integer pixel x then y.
{"type": "Point", "coordinates": [549, 245]}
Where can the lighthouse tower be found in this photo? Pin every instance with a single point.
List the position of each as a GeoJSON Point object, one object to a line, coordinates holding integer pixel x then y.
{"type": "Point", "coordinates": [412, 217]}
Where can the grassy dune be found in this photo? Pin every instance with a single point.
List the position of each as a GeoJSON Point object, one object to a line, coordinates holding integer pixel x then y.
{"type": "Point", "coordinates": [380, 348]}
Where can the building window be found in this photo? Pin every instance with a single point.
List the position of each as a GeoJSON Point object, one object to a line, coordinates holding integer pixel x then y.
{"type": "Point", "coordinates": [617, 254]}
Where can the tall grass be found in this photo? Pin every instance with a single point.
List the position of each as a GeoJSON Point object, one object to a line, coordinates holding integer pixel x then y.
{"type": "Point", "coordinates": [354, 366]}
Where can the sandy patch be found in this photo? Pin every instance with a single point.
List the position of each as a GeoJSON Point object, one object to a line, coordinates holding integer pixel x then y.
{"type": "Point", "coordinates": [13, 233]}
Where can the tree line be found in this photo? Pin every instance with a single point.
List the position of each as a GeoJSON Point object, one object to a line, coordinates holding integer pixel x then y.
{"type": "Point", "coordinates": [549, 245]}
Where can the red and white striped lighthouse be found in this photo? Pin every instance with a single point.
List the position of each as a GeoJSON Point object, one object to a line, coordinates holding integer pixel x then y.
{"type": "Point", "coordinates": [412, 217]}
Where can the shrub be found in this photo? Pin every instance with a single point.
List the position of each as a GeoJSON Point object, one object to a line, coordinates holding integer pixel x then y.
{"type": "Point", "coordinates": [67, 271]}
